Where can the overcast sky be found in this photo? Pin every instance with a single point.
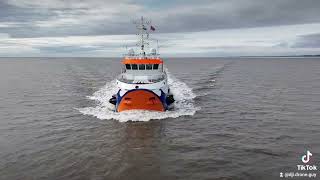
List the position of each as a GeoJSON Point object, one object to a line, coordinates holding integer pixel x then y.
{"type": "Point", "coordinates": [102, 28]}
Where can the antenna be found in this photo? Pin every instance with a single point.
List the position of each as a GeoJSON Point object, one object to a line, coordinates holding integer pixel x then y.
{"type": "Point", "coordinates": [158, 46]}
{"type": "Point", "coordinates": [142, 26]}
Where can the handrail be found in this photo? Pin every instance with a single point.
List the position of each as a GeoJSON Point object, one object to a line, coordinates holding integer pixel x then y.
{"type": "Point", "coordinates": [151, 78]}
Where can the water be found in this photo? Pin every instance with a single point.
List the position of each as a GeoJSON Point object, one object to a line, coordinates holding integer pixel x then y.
{"type": "Point", "coordinates": [235, 118]}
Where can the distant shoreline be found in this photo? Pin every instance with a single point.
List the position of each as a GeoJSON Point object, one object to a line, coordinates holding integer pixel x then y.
{"type": "Point", "coordinates": [283, 56]}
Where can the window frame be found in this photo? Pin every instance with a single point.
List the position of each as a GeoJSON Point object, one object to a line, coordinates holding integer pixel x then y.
{"type": "Point", "coordinates": [134, 65]}
{"type": "Point", "coordinates": [149, 65]}
{"type": "Point", "coordinates": [153, 67]}
{"type": "Point", "coordinates": [142, 65]}
{"type": "Point", "coordinates": [129, 66]}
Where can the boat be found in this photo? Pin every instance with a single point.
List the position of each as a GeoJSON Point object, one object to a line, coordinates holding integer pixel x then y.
{"type": "Point", "coordinates": [143, 82]}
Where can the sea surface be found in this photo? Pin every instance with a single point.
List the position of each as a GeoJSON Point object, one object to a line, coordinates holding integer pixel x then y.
{"type": "Point", "coordinates": [234, 118]}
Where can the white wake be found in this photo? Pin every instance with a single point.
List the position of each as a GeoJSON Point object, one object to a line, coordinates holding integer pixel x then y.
{"type": "Point", "coordinates": [184, 104]}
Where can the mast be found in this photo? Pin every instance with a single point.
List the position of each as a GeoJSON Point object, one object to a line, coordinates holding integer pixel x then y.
{"type": "Point", "coordinates": [158, 47]}
{"type": "Point", "coordinates": [143, 34]}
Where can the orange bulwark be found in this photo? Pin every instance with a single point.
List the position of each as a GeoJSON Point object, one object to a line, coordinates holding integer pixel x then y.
{"type": "Point", "coordinates": [142, 61]}
{"type": "Point", "coordinates": [140, 100]}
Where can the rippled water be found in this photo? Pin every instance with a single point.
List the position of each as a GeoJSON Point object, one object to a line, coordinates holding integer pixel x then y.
{"type": "Point", "coordinates": [235, 118]}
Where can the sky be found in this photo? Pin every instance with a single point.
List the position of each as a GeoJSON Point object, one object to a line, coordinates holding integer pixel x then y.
{"type": "Point", "coordinates": [196, 28]}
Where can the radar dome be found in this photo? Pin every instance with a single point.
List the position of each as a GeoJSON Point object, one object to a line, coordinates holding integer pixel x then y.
{"type": "Point", "coordinates": [131, 52]}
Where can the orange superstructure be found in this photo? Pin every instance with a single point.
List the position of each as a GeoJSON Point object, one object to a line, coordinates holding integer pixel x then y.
{"type": "Point", "coordinates": [142, 61]}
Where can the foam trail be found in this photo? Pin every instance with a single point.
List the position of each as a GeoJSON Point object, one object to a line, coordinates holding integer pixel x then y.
{"type": "Point", "coordinates": [184, 104]}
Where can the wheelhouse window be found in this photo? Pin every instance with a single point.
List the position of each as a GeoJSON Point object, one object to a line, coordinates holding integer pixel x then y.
{"type": "Point", "coordinates": [149, 66]}
{"type": "Point", "coordinates": [128, 66]}
{"type": "Point", "coordinates": [155, 66]}
{"type": "Point", "coordinates": [142, 66]}
{"type": "Point", "coordinates": [134, 66]}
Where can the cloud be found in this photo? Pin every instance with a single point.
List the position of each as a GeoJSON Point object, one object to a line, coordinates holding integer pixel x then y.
{"type": "Point", "coordinates": [34, 18]}
{"type": "Point", "coordinates": [240, 14]}
{"type": "Point", "coordinates": [112, 45]}
{"type": "Point", "coordinates": [308, 41]}
{"type": "Point", "coordinates": [64, 18]}
{"type": "Point", "coordinates": [206, 27]}
{"type": "Point", "coordinates": [277, 40]}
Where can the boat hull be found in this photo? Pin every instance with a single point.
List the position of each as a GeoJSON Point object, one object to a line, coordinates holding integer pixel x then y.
{"type": "Point", "coordinates": [141, 99]}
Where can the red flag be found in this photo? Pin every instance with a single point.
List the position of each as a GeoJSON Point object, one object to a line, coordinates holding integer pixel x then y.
{"type": "Point", "coordinates": [152, 28]}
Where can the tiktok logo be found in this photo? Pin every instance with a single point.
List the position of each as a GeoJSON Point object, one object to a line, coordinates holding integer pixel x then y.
{"type": "Point", "coordinates": [305, 170]}
{"type": "Point", "coordinates": [306, 158]}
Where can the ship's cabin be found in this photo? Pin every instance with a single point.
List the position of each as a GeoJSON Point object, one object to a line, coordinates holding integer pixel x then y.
{"type": "Point", "coordinates": [143, 65]}
{"type": "Point", "coordinates": [142, 70]}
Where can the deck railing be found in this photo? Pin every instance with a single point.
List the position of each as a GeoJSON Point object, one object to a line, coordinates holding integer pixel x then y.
{"type": "Point", "coordinates": [131, 79]}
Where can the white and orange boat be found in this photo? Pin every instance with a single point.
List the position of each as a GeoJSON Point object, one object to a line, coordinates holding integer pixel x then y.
{"type": "Point", "coordinates": [143, 83]}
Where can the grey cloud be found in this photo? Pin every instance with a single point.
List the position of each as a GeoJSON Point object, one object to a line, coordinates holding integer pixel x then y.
{"type": "Point", "coordinates": [242, 14]}
{"type": "Point", "coordinates": [308, 41]}
{"type": "Point", "coordinates": [34, 18]}
{"type": "Point", "coordinates": [66, 49]}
